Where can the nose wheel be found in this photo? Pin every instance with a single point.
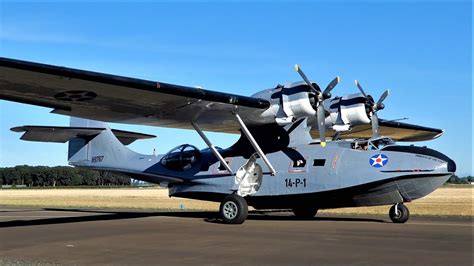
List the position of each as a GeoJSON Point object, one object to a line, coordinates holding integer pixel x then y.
{"type": "Point", "coordinates": [233, 209]}
{"type": "Point", "coordinates": [399, 213]}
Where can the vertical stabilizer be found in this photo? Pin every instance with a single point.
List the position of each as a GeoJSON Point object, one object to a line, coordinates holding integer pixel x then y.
{"type": "Point", "coordinates": [102, 150]}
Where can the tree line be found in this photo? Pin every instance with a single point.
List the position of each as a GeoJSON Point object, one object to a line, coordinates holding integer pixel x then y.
{"type": "Point", "coordinates": [461, 180]}
{"type": "Point", "coordinates": [44, 176]}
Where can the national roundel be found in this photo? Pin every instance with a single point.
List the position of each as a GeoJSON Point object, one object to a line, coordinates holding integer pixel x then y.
{"type": "Point", "coordinates": [378, 160]}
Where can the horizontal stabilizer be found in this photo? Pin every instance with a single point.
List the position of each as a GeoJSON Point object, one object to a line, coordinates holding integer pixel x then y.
{"type": "Point", "coordinates": [64, 134]}
{"type": "Point", "coordinates": [55, 134]}
{"type": "Point", "coordinates": [127, 137]}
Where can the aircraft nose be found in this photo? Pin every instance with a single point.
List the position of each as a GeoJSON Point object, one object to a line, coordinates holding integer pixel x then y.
{"type": "Point", "coordinates": [451, 166]}
{"type": "Point", "coordinates": [444, 163]}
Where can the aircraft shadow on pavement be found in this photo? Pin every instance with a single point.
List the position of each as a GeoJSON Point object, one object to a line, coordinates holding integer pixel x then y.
{"type": "Point", "coordinates": [211, 217]}
{"type": "Point", "coordinates": [22, 210]}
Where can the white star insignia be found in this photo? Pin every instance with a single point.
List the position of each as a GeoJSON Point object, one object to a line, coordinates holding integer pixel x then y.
{"type": "Point", "coordinates": [379, 160]}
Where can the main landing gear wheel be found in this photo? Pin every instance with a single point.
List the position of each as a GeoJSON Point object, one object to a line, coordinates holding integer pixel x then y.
{"type": "Point", "coordinates": [234, 209]}
{"type": "Point", "coordinates": [305, 213]}
{"type": "Point", "coordinates": [399, 213]}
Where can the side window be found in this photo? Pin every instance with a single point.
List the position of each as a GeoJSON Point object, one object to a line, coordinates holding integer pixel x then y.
{"type": "Point", "coordinates": [298, 166]}
{"type": "Point", "coordinates": [319, 162]}
{"type": "Point", "coordinates": [299, 163]}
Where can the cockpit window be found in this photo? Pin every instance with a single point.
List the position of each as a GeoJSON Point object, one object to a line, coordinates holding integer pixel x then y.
{"type": "Point", "coordinates": [361, 145]}
{"type": "Point", "coordinates": [181, 158]}
{"type": "Point", "coordinates": [373, 144]}
{"type": "Point", "coordinates": [381, 142]}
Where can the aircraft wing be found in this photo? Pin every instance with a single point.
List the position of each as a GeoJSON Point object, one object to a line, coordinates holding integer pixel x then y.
{"type": "Point", "coordinates": [395, 130]}
{"type": "Point", "coordinates": [118, 99]}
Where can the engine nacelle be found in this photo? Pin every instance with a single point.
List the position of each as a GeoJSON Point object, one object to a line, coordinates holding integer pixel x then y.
{"type": "Point", "coordinates": [348, 110]}
{"type": "Point", "coordinates": [295, 101]}
{"type": "Point", "coordinates": [289, 104]}
{"type": "Point", "coordinates": [353, 109]}
{"type": "Point", "coordinates": [297, 105]}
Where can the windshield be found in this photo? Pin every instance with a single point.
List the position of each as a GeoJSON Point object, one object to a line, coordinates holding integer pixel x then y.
{"type": "Point", "coordinates": [381, 142]}
{"type": "Point", "coordinates": [181, 158]}
{"type": "Point", "coordinates": [374, 144]}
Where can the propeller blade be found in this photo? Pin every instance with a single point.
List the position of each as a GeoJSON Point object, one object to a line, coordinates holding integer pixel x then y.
{"type": "Point", "coordinates": [331, 85]}
{"type": "Point", "coordinates": [374, 108]}
{"type": "Point", "coordinates": [360, 88]}
{"type": "Point", "coordinates": [383, 96]}
{"type": "Point", "coordinates": [375, 125]}
{"type": "Point", "coordinates": [298, 69]}
{"type": "Point", "coordinates": [321, 124]}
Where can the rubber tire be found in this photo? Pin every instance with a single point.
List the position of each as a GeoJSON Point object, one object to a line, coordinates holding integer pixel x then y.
{"type": "Point", "coordinates": [403, 216]}
{"type": "Point", "coordinates": [305, 213]}
{"type": "Point", "coordinates": [242, 209]}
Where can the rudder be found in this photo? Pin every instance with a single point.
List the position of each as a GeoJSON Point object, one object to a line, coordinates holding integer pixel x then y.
{"type": "Point", "coordinates": [102, 149]}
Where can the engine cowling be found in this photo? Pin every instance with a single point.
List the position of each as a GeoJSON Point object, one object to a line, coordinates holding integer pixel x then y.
{"type": "Point", "coordinates": [350, 109]}
{"type": "Point", "coordinates": [354, 109]}
{"type": "Point", "coordinates": [298, 104]}
{"type": "Point", "coordinates": [296, 101]}
{"type": "Point", "coordinates": [290, 104]}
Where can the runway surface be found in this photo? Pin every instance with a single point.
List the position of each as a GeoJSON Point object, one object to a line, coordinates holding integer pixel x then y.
{"type": "Point", "coordinates": [84, 236]}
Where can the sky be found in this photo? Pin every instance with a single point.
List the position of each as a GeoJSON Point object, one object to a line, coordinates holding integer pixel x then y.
{"type": "Point", "coordinates": [421, 51]}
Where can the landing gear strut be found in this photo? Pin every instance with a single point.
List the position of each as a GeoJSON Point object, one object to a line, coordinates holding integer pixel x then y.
{"type": "Point", "coordinates": [399, 213]}
{"type": "Point", "coordinates": [233, 209]}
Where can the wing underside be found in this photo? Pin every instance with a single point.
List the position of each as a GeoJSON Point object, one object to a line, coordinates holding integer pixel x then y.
{"type": "Point", "coordinates": [118, 99]}
{"type": "Point", "coordinates": [395, 130]}
{"type": "Point", "coordinates": [111, 98]}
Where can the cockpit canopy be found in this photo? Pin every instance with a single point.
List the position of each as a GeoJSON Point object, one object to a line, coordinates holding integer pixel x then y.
{"type": "Point", "coordinates": [371, 144]}
{"type": "Point", "coordinates": [181, 158]}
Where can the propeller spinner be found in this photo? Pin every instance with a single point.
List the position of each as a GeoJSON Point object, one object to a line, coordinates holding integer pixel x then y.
{"type": "Point", "coordinates": [374, 107]}
{"type": "Point", "coordinates": [320, 97]}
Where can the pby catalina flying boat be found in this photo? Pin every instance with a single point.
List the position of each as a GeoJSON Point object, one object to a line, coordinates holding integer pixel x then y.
{"type": "Point", "coordinates": [281, 161]}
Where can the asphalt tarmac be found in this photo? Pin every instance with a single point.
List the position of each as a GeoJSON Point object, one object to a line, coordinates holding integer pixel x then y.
{"type": "Point", "coordinates": [66, 236]}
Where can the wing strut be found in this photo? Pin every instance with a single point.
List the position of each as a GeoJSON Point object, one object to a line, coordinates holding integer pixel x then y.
{"type": "Point", "coordinates": [254, 143]}
{"type": "Point", "coordinates": [212, 147]}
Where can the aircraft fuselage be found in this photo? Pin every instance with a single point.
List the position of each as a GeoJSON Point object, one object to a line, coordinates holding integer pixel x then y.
{"type": "Point", "coordinates": [338, 175]}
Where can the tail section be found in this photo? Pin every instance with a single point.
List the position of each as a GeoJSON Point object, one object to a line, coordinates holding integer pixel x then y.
{"type": "Point", "coordinates": [99, 150]}
{"type": "Point", "coordinates": [91, 143]}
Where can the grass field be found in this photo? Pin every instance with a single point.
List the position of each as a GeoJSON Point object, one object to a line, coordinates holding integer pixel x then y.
{"type": "Point", "coordinates": [446, 201]}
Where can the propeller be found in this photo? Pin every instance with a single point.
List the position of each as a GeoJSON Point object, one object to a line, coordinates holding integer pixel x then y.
{"type": "Point", "coordinates": [320, 97]}
{"type": "Point", "coordinates": [374, 107]}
